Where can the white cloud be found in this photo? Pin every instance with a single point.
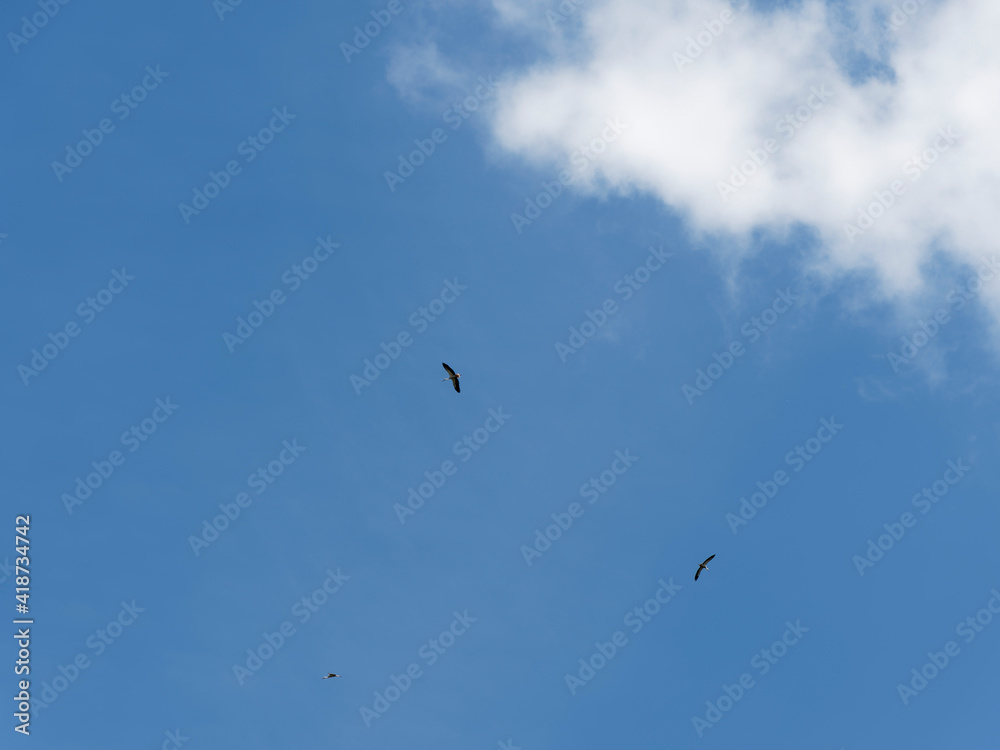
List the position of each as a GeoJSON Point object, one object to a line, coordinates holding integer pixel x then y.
{"type": "Point", "coordinates": [749, 71]}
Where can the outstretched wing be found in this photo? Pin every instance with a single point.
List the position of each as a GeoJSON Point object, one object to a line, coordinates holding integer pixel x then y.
{"type": "Point", "coordinates": [697, 573]}
{"type": "Point", "coordinates": [451, 373]}
{"type": "Point", "coordinates": [455, 383]}
{"type": "Point", "coordinates": [708, 560]}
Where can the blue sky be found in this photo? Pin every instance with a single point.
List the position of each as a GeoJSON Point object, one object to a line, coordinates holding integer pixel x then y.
{"type": "Point", "coordinates": [143, 613]}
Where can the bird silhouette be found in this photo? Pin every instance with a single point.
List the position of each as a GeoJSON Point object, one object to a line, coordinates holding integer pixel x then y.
{"type": "Point", "coordinates": [331, 675]}
{"type": "Point", "coordinates": [702, 566]}
{"type": "Point", "coordinates": [452, 376]}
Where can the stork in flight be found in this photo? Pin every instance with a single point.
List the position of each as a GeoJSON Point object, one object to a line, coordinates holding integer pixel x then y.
{"type": "Point", "coordinates": [702, 566]}
{"type": "Point", "coordinates": [331, 675]}
{"type": "Point", "coordinates": [452, 376]}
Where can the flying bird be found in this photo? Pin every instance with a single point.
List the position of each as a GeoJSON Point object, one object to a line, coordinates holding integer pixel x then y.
{"type": "Point", "coordinates": [331, 675]}
{"type": "Point", "coordinates": [702, 566]}
{"type": "Point", "coordinates": [452, 376]}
